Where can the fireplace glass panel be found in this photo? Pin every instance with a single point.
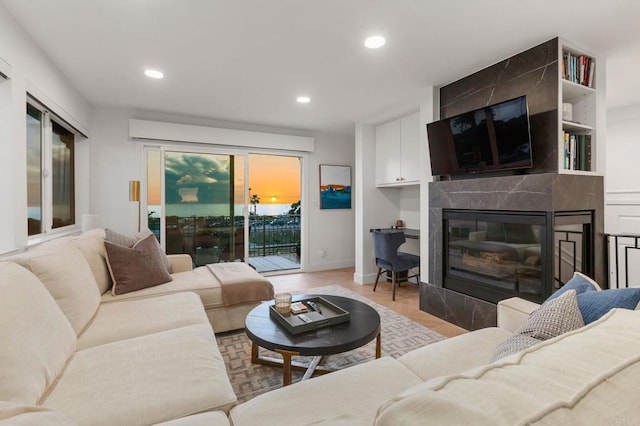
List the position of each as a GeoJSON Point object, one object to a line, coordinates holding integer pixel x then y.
{"type": "Point", "coordinates": [496, 256]}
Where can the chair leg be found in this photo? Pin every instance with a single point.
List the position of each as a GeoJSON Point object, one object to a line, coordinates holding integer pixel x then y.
{"type": "Point", "coordinates": [377, 278]}
{"type": "Point", "coordinates": [393, 283]}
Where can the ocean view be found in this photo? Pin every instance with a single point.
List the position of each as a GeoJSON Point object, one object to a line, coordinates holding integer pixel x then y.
{"type": "Point", "coordinates": [196, 209]}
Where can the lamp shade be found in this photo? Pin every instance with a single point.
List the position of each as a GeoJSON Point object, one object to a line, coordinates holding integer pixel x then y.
{"type": "Point", "coordinates": [134, 190]}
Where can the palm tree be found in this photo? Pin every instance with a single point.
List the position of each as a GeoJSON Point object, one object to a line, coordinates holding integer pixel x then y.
{"type": "Point", "coordinates": [255, 200]}
{"type": "Point", "coordinates": [295, 208]}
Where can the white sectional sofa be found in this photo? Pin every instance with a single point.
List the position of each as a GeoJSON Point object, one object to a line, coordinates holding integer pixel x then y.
{"type": "Point", "coordinates": [587, 376]}
{"type": "Point", "coordinates": [69, 355]}
{"type": "Point", "coordinates": [184, 278]}
{"type": "Point", "coordinates": [70, 352]}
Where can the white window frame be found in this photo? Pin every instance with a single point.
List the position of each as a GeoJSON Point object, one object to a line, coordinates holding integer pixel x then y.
{"type": "Point", "coordinates": [46, 168]}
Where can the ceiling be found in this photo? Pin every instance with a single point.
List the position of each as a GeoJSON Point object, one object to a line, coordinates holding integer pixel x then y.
{"type": "Point", "coordinates": [247, 60]}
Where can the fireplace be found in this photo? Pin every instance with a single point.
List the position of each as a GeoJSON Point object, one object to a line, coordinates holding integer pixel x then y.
{"type": "Point", "coordinates": [564, 215]}
{"type": "Point", "coordinates": [494, 255]}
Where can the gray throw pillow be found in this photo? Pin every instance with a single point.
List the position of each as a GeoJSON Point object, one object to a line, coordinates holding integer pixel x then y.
{"type": "Point", "coordinates": [553, 318]}
{"type": "Point", "coordinates": [127, 241]}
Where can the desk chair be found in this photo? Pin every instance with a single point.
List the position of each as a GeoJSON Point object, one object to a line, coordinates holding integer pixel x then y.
{"type": "Point", "coordinates": [389, 259]}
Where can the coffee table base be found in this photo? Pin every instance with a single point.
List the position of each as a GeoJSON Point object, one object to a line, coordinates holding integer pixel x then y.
{"type": "Point", "coordinates": [288, 365]}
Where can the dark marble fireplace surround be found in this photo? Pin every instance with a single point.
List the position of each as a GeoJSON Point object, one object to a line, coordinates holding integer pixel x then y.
{"type": "Point", "coordinates": [533, 73]}
{"type": "Point", "coordinates": [543, 192]}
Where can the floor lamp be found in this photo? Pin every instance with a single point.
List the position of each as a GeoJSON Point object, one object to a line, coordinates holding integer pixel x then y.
{"type": "Point", "coordinates": [134, 195]}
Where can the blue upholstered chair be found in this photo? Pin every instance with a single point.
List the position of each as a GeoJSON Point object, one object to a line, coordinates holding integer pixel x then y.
{"type": "Point", "coordinates": [389, 259]}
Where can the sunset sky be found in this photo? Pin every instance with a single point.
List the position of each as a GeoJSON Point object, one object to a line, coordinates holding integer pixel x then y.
{"type": "Point", "coordinates": [204, 178]}
{"type": "Point", "coordinates": [276, 177]}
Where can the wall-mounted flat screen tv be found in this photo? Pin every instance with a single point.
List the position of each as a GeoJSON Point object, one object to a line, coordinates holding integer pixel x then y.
{"type": "Point", "coordinates": [495, 137]}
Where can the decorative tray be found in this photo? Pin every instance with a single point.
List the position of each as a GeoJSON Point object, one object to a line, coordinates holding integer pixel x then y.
{"type": "Point", "coordinates": [319, 313]}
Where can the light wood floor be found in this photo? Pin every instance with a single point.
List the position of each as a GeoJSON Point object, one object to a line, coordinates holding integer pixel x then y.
{"type": "Point", "coordinates": [406, 302]}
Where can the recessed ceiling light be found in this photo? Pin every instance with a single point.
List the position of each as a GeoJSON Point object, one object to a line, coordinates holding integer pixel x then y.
{"type": "Point", "coordinates": [154, 74]}
{"type": "Point", "coordinates": [374, 42]}
{"type": "Point", "coordinates": [303, 99]}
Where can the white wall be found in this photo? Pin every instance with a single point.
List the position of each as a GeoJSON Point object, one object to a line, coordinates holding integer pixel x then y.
{"type": "Point", "coordinates": [622, 192]}
{"type": "Point", "coordinates": [375, 207]}
{"type": "Point", "coordinates": [31, 71]}
{"type": "Point", "coordinates": [381, 207]}
{"type": "Point", "coordinates": [116, 159]}
{"type": "Point", "coordinates": [331, 233]}
{"type": "Point", "coordinates": [622, 183]}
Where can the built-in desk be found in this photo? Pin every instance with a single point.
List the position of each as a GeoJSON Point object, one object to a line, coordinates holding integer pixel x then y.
{"type": "Point", "coordinates": [408, 233]}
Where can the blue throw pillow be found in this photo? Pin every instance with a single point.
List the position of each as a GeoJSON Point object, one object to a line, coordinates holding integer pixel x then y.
{"type": "Point", "coordinates": [594, 304]}
{"type": "Point", "coordinates": [580, 283]}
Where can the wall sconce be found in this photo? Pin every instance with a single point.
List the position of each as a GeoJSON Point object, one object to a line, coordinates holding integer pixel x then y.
{"type": "Point", "coordinates": [134, 195]}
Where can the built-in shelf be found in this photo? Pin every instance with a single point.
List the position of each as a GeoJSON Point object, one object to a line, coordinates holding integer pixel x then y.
{"type": "Point", "coordinates": [570, 126]}
{"type": "Point", "coordinates": [577, 136]}
{"type": "Point", "coordinates": [571, 90]}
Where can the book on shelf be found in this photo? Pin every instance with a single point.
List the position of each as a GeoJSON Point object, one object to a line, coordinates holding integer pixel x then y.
{"type": "Point", "coordinates": [579, 69]}
{"type": "Point", "coordinates": [577, 151]}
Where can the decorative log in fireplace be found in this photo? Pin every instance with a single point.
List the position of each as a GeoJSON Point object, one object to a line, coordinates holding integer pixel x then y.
{"type": "Point", "coordinates": [493, 255]}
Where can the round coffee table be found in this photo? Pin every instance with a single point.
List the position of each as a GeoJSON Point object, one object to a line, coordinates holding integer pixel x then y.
{"type": "Point", "coordinates": [363, 326]}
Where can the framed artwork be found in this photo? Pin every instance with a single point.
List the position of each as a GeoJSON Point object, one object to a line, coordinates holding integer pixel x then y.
{"type": "Point", "coordinates": [335, 187]}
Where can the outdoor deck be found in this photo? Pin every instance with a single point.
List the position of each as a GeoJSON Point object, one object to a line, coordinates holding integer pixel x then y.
{"type": "Point", "coordinates": [273, 263]}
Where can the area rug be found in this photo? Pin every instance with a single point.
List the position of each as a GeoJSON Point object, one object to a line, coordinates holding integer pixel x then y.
{"type": "Point", "coordinates": [399, 336]}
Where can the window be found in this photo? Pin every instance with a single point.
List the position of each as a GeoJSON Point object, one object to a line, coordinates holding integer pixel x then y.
{"type": "Point", "coordinates": [50, 171]}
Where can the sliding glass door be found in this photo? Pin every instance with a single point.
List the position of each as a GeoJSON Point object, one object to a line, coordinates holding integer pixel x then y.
{"type": "Point", "coordinates": [275, 196]}
{"type": "Point", "coordinates": [196, 204]}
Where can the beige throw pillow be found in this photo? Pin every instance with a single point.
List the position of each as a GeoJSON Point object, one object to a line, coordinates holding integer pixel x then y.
{"type": "Point", "coordinates": [551, 319]}
{"type": "Point", "coordinates": [135, 268]}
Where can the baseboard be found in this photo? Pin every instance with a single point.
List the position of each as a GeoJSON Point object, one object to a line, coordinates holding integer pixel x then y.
{"type": "Point", "coordinates": [364, 279]}
{"type": "Point", "coordinates": [327, 266]}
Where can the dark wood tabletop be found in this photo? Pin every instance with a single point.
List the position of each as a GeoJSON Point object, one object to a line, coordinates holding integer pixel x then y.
{"type": "Point", "coordinates": [363, 327]}
{"type": "Point", "coordinates": [408, 232]}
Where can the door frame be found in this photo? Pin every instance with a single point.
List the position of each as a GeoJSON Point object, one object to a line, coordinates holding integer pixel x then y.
{"type": "Point", "coordinates": [164, 146]}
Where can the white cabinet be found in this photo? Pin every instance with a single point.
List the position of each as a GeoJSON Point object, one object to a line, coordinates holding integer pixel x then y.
{"type": "Point", "coordinates": [398, 152]}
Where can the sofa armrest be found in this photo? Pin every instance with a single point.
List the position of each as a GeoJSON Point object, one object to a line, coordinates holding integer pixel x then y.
{"type": "Point", "coordinates": [180, 262]}
{"type": "Point", "coordinates": [513, 312]}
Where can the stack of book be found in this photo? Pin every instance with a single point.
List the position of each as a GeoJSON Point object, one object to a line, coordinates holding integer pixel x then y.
{"type": "Point", "coordinates": [577, 152]}
{"type": "Point", "coordinates": [579, 69]}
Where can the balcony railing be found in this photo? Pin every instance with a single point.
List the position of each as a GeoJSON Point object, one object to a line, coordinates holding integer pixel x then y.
{"type": "Point", "coordinates": [623, 255]}
{"type": "Point", "coordinates": [215, 239]}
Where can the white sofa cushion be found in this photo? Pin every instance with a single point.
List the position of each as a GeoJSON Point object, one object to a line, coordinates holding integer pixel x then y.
{"type": "Point", "coordinates": [210, 418]}
{"type": "Point", "coordinates": [537, 383]}
{"type": "Point", "coordinates": [91, 244]}
{"type": "Point", "coordinates": [144, 380]}
{"type": "Point", "coordinates": [607, 402]}
{"type": "Point", "coordinates": [345, 397]}
{"type": "Point", "coordinates": [64, 271]}
{"type": "Point", "coordinates": [199, 280]}
{"type": "Point", "coordinates": [12, 414]}
{"type": "Point", "coordinates": [456, 354]}
{"type": "Point", "coordinates": [139, 317]}
{"type": "Point", "coordinates": [513, 312]}
{"type": "Point", "coordinates": [35, 337]}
